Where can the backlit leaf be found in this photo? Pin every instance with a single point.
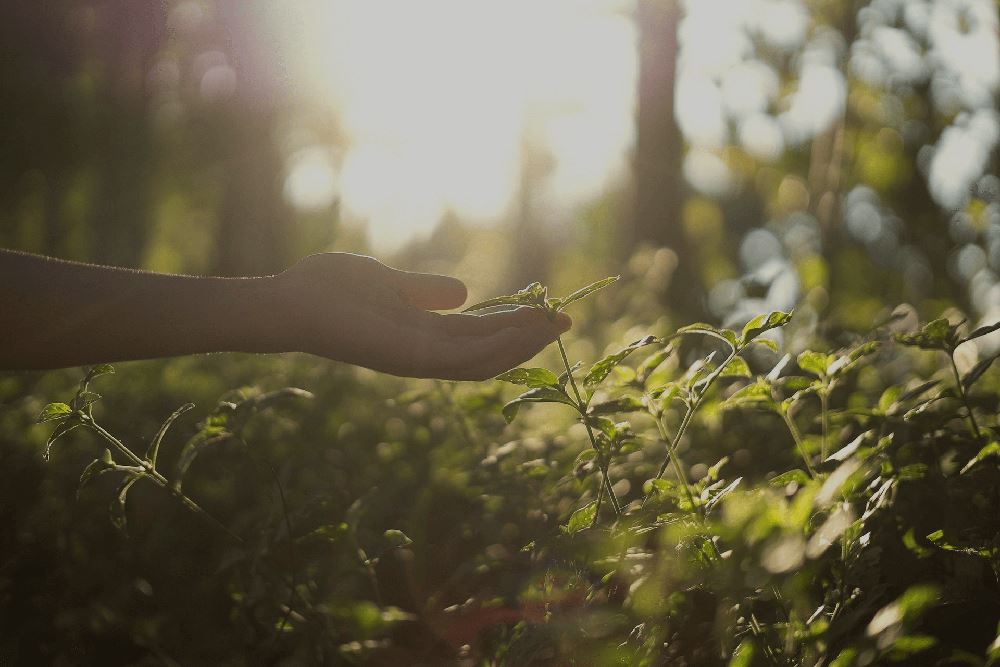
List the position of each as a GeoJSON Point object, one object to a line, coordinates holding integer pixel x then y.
{"type": "Point", "coordinates": [581, 519]}
{"type": "Point", "coordinates": [540, 395]}
{"type": "Point", "coordinates": [602, 368]}
{"type": "Point", "coordinates": [54, 411]}
{"type": "Point", "coordinates": [154, 446]}
{"type": "Point", "coordinates": [584, 292]}
{"type": "Point", "coordinates": [530, 377]}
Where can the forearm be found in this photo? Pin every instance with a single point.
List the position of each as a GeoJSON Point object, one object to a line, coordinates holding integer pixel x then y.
{"type": "Point", "coordinates": [57, 314]}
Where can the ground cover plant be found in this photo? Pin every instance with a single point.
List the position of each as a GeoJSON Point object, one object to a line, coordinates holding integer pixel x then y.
{"type": "Point", "coordinates": [697, 496]}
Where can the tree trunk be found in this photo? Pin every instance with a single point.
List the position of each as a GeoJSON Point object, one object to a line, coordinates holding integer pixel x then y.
{"type": "Point", "coordinates": [659, 152]}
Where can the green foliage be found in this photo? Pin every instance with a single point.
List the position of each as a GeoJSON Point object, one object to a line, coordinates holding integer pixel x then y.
{"type": "Point", "coordinates": [690, 498]}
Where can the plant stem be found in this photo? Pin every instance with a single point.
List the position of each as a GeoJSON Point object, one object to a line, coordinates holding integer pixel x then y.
{"type": "Point", "coordinates": [824, 406]}
{"type": "Point", "coordinates": [160, 480]}
{"type": "Point", "coordinates": [965, 397]}
{"type": "Point", "coordinates": [582, 407]}
{"type": "Point", "coordinates": [797, 436]}
{"type": "Point", "coordinates": [671, 454]}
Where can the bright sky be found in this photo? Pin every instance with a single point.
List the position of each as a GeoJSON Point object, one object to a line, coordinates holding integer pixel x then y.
{"type": "Point", "coordinates": [436, 97]}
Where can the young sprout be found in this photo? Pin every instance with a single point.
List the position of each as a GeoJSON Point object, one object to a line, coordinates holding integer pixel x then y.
{"type": "Point", "coordinates": [544, 386]}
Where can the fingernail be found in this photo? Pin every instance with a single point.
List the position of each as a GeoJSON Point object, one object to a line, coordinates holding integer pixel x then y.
{"type": "Point", "coordinates": [563, 322]}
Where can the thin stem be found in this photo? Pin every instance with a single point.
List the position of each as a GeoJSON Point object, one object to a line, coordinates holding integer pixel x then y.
{"type": "Point", "coordinates": [824, 406]}
{"type": "Point", "coordinates": [671, 454]}
{"type": "Point", "coordinates": [797, 437]}
{"type": "Point", "coordinates": [685, 422]}
{"type": "Point", "coordinates": [582, 407]}
{"type": "Point", "coordinates": [965, 397]}
{"type": "Point", "coordinates": [160, 480]}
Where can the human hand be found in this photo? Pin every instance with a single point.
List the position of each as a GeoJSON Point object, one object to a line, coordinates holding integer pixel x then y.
{"type": "Point", "coordinates": [355, 309]}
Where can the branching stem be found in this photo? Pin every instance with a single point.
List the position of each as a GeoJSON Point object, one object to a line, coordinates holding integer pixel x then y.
{"type": "Point", "coordinates": [582, 407]}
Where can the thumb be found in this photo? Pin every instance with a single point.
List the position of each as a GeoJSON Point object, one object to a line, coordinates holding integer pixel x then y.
{"type": "Point", "coordinates": [429, 291]}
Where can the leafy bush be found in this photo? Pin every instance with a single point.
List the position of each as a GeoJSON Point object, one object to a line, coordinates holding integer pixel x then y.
{"type": "Point", "coordinates": [698, 496]}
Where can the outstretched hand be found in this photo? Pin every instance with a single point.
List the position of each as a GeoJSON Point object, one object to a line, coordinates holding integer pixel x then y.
{"type": "Point", "coordinates": [355, 309]}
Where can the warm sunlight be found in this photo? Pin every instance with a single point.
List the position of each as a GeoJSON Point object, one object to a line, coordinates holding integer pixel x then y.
{"type": "Point", "coordinates": [443, 101]}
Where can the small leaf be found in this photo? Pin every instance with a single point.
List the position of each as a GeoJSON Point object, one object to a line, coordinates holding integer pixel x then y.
{"type": "Point", "coordinates": [977, 372]}
{"type": "Point", "coordinates": [982, 331]}
{"type": "Point", "coordinates": [816, 363]}
{"type": "Point", "coordinates": [564, 376]}
{"type": "Point", "coordinates": [84, 399]}
{"type": "Point", "coordinates": [736, 368]}
{"type": "Point", "coordinates": [117, 509]}
{"type": "Point", "coordinates": [61, 429]}
{"type": "Point", "coordinates": [991, 449]}
{"type": "Point", "coordinates": [586, 291]}
{"type": "Point", "coordinates": [717, 498]}
{"type": "Point", "coordinates": [755, 394]}
{"type": "Point", "coordinates": [766, 342]}
{"type": "Point", "coordinates": [602, 368]}
{"type": "Point", "coordinates": [95, 468]}
{"type": "Point", "coordinates": [94, 373]}
{"type": "Point", "coordinates": [581, 518]}
{"type": "Point", "coordinates": [397, 539]}
{"type": "Point", "coordinates": [617, 405]}
{"type": "Point", "coordinates": [935, 335]}
{"type": "Point", "coordinates": [848, 450]}
{"type": "Point", "coordinates": [207, 437]}
{"type": "Point", "coordinates": [763, 323]}
{"type": "Point", "coordinates": [701, 329]}
{"type": "Point", "coordinates": [532, 295]}
{"type": "Point", "coordinates": [154, 446]}
{"type": "Point", "coordinates": [651, 363]}
{"type": "Point", "coordinates": [540, 395]}
{"type": "Point", "coordinates": [534, 378]}
{"type": "Point", "coordinates": [54, 411]}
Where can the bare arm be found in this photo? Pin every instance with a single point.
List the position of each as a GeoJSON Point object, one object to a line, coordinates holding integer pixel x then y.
{"type": "Point", "coordinates": [338, 305]}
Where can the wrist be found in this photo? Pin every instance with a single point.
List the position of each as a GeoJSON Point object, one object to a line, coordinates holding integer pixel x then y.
{"type": "Point", "coordinates": [251, 313]}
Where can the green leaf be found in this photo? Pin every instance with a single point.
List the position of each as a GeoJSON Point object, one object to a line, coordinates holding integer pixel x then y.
{"type": "Point", "coordinates": [763, 323]}
{"type": "Point", "coordinates": [94, 373]}
{"type": "Point", "coordinates": [989, 450]}
{"type": "Point", "coordinates": [766, 342]}
{"type": "Point", "coordinates": [54, 411]}
{"type": "Point", "coordinates": [84, 399]}
{"type": "Point", "coordinates": [935, 335]}
{"type": "Point", "coordinates": [581, 518]}
{"type": "Point", "coordinates": [584, 292]}
{"type": "Point", "coordinates": [540, 395]}
{"type": "Point", "coordinates": [532, 295]}
{"type": "Point", "coordinates": [652, 362]}
{"type": "Point", "coordinates": [784, 479]}
{"type": "Point", "coordinates": [117, 509]}
{"type": "Point", "coordinates": [755, 394]}
{"type": "Point", "coordinates": [617, 405]}
{"type": "Point", "coordinates": [95, 468]}
{"type": "Point", "coordinates": [982, 331]}
{"type": "Point", "coordinates": [534, 378]}
{"type": "Point", "coordinates": [397, 539]}
{"type": "Point", "coordinates": [154, 447]}
{"type": "Point", "coordinates": [701, 329]}
{"type": "Point", "coordinates": [722, 493]}
{"type": "Point", "coordinates": [977, 372]}
{"type": "Point", "coordinates": [816, 363]}
{"type": "Point", "coordinates": [736, 368]}
{"type": "Point", "coordinates": [61, 429]}
{"type": "Point", "coordinates": [602, 368]}
{"type": "Point", "coordinates": [208, 436]}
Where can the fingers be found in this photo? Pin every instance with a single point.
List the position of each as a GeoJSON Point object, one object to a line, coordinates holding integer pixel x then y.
{"type": "Point", "coordinates": [468, 324]}
{"type": "Point", "coordinates": [486, 357]}
{"type": "Point", "coordinates": [429, 291]}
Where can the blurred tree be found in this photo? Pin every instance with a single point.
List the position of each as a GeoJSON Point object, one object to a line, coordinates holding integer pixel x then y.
{"type": "Point", "coordinates": [659, 150]}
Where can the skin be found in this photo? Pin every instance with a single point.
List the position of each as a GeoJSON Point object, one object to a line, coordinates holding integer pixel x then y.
{"type": "Point", "coordinates": [341, 306]}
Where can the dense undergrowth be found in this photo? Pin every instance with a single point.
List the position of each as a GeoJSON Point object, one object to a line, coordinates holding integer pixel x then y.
{"type": "Point", "coordinates": [684, 496]}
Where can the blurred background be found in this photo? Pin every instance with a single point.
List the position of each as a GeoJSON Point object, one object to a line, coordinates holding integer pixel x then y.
{"type": "Point", "coordinates": [756, 154]}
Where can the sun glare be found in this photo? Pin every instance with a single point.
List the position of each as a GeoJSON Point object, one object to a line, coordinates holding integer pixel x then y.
{"type": "Point", "coordinates": [439, 101]}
